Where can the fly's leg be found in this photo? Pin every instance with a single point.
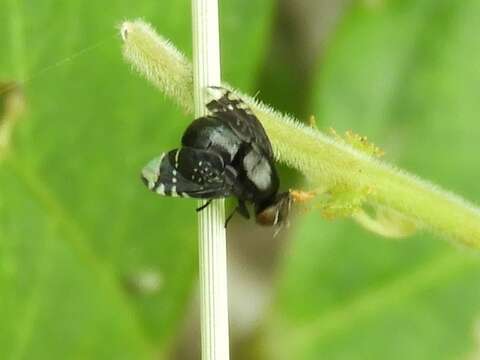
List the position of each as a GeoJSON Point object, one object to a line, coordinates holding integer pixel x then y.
{"type": "Point", "coordinates": [241, 209]}
{"type": "Point", "coordinates": [204, 205]}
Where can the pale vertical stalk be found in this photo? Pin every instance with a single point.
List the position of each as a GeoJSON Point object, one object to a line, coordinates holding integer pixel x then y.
{"type": "Point", "coordinates": [212, 239]}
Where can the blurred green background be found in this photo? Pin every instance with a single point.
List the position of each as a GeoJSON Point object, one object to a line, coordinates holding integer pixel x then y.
{"type": "Point", "coordinates": [93, 266]}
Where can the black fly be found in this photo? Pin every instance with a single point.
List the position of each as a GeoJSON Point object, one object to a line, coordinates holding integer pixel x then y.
{"type": "Point", "coordinates": [226, 153]}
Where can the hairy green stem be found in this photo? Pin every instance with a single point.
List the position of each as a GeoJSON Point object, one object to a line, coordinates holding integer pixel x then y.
{"type": "Point", "coordinates": [327, 162]}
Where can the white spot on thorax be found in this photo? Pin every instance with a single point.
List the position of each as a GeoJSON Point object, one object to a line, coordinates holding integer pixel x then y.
{"type": "Point", "coordinates": [174, 191]}
{"type": "Point", "coordinates": [258, 170]}
{"type": "Point", "coordinates": [228, 143]}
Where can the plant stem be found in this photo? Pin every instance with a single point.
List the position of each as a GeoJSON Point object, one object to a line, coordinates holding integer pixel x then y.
{"type": "Point", "coordinates": [325, 161]}
{"type": "Point", "coordinates": [212, 237]}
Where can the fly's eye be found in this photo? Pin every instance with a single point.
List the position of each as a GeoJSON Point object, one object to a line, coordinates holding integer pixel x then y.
{"type": "Point", "coordinates": [268, 216]}
{"type": "Point", "coordinates": [277, 212]}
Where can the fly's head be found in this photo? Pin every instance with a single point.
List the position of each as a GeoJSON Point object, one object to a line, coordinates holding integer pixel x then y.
{"type": "Point", "coordinates": [276, 212]}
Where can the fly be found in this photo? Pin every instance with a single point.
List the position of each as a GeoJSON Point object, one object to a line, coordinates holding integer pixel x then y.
{"type": "Point", "coordinates": [226, 153]}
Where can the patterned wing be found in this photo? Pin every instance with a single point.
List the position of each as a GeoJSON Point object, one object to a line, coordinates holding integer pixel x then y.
{"type": "Point", "coordinates": [238, 116]}
{"type": "Point", "coordinates": [187, 172]}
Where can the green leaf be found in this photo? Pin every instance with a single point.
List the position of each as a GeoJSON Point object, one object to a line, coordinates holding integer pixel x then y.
{"type": "Point", "coordinates": [242, 50]}
{"type": "Point", "coordinates": [404, 73]}
{"type": "Point", "coordinates": [92, 265]}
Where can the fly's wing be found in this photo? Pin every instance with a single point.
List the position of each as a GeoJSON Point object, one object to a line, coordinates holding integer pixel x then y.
{"type": "Point", "coordinates": [238, 116]}
{"type": "Point", "coordinates": [187, 172]}
{"type": "Point", "coordinates": [211, 133]}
